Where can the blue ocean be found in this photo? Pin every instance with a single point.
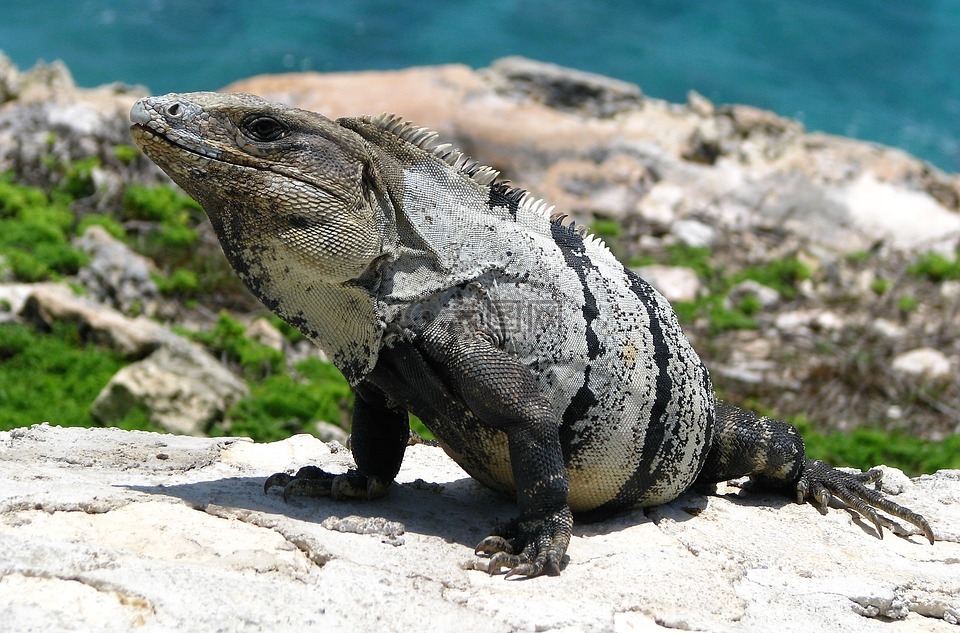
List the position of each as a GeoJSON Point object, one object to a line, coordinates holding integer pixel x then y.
{"type": "Point", "coordinates": [880, 70]}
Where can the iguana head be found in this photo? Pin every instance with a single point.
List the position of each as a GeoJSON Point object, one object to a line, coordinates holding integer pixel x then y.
{"type": "Point", "coordinates": [292, 198]}
{"type": "Point", "coordinates": [277, 183]}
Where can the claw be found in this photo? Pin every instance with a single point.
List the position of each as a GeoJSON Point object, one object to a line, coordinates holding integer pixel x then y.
{"type": "Point", "coordinates": [502, 559]}
{"type": "Point", "coordinates": [823, 497]}
{"type": "Point", "coordinates": [524, 569]}
{"type": "Point", "coordinates": [823, 481]}
{"type": "Point", "coordinates": [493, 545]}
{"type": "Point", "coordinates": [277, 479]}
{"type": "Point", "coordinates": [535, 546]}
{"type": "Point", "coordinates": [803, 489]}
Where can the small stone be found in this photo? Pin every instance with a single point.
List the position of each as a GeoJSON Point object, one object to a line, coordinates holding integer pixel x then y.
{"type": "Point", "coordinates": [923, 361]}
{"type": "Point", "coordinates": [888, 328]}
{"type": "Point", "coordinates": [950, 290]}
{"type": "Point", "coordinates": [676, 283]}
{"type": "Point", "coordinates": [767, 296]}
{"type": "Point", "coordinates": [181, 386]}
{"type": "Point", "coordinates": [660, 204]}
{"type": "Point", "coordinates": [796, 320]}
{"type": "Point", "coordinates": [694, 234]}
{"type": "Point", "coordinates": [265, 333]}
{"type": "Point", "coordinates": [699, 104]}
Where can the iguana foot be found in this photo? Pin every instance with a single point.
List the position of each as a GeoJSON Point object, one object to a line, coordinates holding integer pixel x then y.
{"type": "Point", "coordinates": [530, 547]}
{"type": "Point", "coordinates": [823, 482]}
{"type": "Point", "coordinates": [311, 481]}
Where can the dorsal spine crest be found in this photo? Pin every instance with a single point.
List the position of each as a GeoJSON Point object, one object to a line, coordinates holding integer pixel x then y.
{"type": "Point", "coordinates": [426, 139]}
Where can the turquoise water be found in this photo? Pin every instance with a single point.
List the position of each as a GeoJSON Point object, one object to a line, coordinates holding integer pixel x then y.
{"type": "Point", "coordinates": [882, 70]}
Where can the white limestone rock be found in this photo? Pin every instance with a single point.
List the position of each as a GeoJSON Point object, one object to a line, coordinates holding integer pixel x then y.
{"type": "Point", "coordinates": [676, 283]}
{"type": "Point", "coordinates": [924, 362]}
{"type": "Point", "coordinates": [102, 529]}
{"type": "Point", "coordinates": [181, 387]}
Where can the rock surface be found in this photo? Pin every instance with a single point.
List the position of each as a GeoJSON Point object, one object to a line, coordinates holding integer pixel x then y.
{"type": "Point", "coordinates": [596, 146]}
{"type": "Point", "coordinates": [116, 275]}
{"type": "Point", "coordinates": [109, 530]}
{"type": "Point", "coordinates": [180, 386]}
{"type": "Point", "coordinates": [751, 187]}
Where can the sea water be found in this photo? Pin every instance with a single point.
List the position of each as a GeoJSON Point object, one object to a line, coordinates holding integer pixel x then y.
{"type": "Point", "coordinates": [881, 70]}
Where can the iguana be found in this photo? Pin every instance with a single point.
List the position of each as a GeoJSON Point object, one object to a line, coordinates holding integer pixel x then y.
{"type": "Point", "coordinates": [544, 367]}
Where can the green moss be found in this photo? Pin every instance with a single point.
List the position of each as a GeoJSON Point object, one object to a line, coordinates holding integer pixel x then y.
{"type": "Point", "coordinates": [606, 228]}
{"type": "Point", "coordinates": [907, 304]}
{"type": "Point", "coordinates": [697, 258]}
{"type": "Point", "coordinates": [111, 225]}
{"type": "Point", "coordinates": [867, 447]}
{"type": "Point", "coordinates": [227, 339]}
{"type": "Point", "coordinates": [126, 154]}
{"type": "Point", "coordinates": [282, 405]}
{"type": "Point", "coordinates": [858, 257]}
{"type": "Point", "coordinates": [936, 267]}
{"type": "Point", "coordinates": [36, 247]}
{"type": "Point", "coordinates": [53, 377]}
{"type": "Point", "coordinates": [749, 305]}
{"type": "Point", "coordinates": [78, 178]}
{"type": "Point", "coordinates": [17, 198]}
{"type": "Point", "coordinates": [722, 319]}
{"type": "Point", "coordinates": [34, 234]}
{"type": "Point", "coordinates": [182, 283]}
{"type": "Point", "coordinates": [783, 275]}
{"type": "Point", "coordinates": [177, 215]}
{"type": "Point", "coordinates": [158, 204]}
{"type": "Point", "coordinates": [880, 285]}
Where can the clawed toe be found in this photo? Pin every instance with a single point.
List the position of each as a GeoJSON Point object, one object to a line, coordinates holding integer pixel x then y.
{"type": "Point", "coordinates": [277, 479]}
{"type": "Point", "coordinates": [536, 548]}
{"type": "Point", "coordinates": [311, 481]}
{"type": "Point", "coordinates": [823, 483]}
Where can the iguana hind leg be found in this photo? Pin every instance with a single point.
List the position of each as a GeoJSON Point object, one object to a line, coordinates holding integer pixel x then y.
{"type": "Point", "coordinates": [772, 453]}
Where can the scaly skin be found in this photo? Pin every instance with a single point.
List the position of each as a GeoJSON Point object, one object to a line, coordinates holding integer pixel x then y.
{"type": "Point", "coordinates": [546, 369]}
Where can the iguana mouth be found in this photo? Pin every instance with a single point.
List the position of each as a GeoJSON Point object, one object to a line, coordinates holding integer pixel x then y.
{"type": "Point", "coordinates": [144, 134]}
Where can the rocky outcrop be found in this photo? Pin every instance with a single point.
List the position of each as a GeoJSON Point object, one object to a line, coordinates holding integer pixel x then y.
{"type": "Point", "coordinates": [47, 125]}
{"type": "Point", "coordinates": [116, 275]}
{"type": "Point", "coordinates": [174, 382]}
{"type": "Point", "coordinates": [596, 146]}
{"type": "Point", "coordinates": [180, 387]}
{"type": "Point", "coordinates": [108, 530]}
{"type": "Point", "coordinates": [747, 184]}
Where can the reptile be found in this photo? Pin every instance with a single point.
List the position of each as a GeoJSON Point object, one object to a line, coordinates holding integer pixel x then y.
{"type": "Point", "coordinates": [544, 367]}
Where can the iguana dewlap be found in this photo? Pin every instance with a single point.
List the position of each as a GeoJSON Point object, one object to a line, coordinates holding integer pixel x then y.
{"type": "Point", "coordinates": [545, 368]}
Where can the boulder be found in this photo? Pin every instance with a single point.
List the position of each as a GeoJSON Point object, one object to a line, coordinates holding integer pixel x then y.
{"type": "Point", "coordinates": [111, 530]}
{"type": "Point", "coordinates": [116, 275]}
{"type": "Point", "coordinates": [180, 387]}
{"type": "Point", "coordinates": [596, 146]}
{"type": "Point", "coordinates": [96, 322]}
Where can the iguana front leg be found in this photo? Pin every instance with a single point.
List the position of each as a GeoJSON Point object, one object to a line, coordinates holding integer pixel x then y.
{"type": "Point", "coordinates": [772, 453]}
{"type": "Point", "coordinates": [501, 393]}
{"type": "Point", "coordinates": [378, 438]}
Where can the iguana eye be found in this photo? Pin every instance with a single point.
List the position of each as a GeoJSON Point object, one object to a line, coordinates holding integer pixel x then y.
{"type": "Point", "coordinates": [264, 128]}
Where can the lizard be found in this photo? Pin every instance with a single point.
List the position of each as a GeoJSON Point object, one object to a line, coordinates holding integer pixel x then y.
{"type": "Point", "coordinates": [545, 368]}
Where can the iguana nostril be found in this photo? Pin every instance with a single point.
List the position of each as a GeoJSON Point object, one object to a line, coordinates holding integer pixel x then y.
{"type": "Point", "coordinates": [174, 110]}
